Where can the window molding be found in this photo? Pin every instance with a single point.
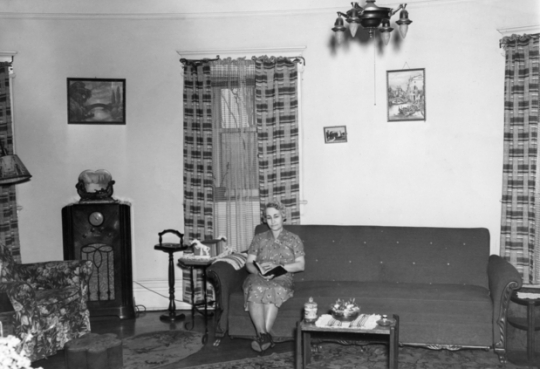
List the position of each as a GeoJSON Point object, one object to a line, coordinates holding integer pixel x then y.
{"type": "Point", "coordinates": [239, 53]}
{"type": "Point", "coordinates": [7, 56]}
{"type": "Point", "coordinates": [518, 30]}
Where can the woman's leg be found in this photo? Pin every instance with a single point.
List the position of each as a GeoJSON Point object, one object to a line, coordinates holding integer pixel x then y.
{"type": "Point", "coordinates": [258, 316]}
{"type": "Point", "coordinates": [270, 315]}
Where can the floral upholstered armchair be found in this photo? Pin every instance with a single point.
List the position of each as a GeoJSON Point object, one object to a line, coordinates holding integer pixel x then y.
{"type": "Point", "coordinates": [49, 300]}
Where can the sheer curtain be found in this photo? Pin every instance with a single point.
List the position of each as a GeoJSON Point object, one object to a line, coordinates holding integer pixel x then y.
{"type": "Point", "coordinates": [9, 224]}
{"type": "Point", "coordinates": [236, 185]}
{"type": "Point", "coordinates": [520, 230]}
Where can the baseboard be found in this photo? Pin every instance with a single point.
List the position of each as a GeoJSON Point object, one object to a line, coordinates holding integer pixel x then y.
{"type": "Point", "coordinates": [153, 295]}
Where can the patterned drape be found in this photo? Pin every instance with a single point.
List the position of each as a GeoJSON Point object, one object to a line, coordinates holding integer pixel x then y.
{"type": "Point", "coordinates": [276, 104]}
{"type": "Point", "coordinates": [198, 179]}
{"type": "Point", "coordinates": [519, 241]}
{"type": "Point", "coordinates": [9, 224]}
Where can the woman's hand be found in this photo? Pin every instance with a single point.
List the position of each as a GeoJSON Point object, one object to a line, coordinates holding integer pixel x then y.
{"type": "Point", "coordinates": [267, 265]}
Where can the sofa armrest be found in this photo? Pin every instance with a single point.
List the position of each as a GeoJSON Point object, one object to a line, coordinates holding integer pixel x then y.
{"type": "Point", "coordinates": [225, 280]}
{"type": "Point", "coordinates": [504, 279]}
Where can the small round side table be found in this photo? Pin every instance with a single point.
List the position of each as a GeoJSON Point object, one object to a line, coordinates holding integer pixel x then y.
{"type": "Point", "coordinates": [526, 324]}
{"type": "Point", "coordinates": [171, 248]}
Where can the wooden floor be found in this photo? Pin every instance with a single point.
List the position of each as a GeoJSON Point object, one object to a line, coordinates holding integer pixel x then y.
{"type": "Point", "coordinates": [228, 349]}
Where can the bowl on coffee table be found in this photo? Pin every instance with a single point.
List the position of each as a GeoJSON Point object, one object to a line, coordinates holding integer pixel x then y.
{"type": "Point", "coordinates": [345, 311]}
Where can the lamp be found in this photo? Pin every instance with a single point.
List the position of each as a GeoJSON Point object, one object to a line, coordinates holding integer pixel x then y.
{"type": "Point", "coordinates": [12, 170]}
{"type": "Point", "coordinates": [371, 17]}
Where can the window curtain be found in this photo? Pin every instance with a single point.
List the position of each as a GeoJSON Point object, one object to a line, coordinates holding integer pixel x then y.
{"type": "Point", "coordinates": [198, 180]}
{"type": "Point", "coordinates": [9, 224]}
{"type": "Point", "coordinates": [520, 244]}
{"type": "Point", "coordinates": [236, 197]}
{"type": "Point", "coordinates": [198, 167]}
{"type": "Point", "coordinates": [276, 104]}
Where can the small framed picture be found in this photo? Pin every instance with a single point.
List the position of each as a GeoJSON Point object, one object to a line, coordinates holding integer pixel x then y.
{"type": "Point", "coordinates": [406, 97]}
{"type": "Point", "coordinates": [335, 134]}
{"type": "Point", "coordinates": [96, 101]}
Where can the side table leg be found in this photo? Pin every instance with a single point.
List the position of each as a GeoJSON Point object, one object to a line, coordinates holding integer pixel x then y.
{"type": "Point", "coordinates": [205, 337]}
{"type": "Point", "coordinates": [530, 332]}
{"type": "Point", "coordinates": [171, 317]}
{"type": "Point", "coordinates": [298, 355]}
{"type": "Point", "coordinates": [306, 339]}
{"type": "Point", "coordinates": [394, 344]}
{"type": "Point", "coordinates": [193, 308]}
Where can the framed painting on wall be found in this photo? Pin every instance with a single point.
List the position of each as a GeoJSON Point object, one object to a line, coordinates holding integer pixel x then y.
{"type": "Point", "coordinates": [335, 134]}
{"type": "Point", "coordinates": [96, 101]}
{"type": "Point", "coordinates": [406, 99]}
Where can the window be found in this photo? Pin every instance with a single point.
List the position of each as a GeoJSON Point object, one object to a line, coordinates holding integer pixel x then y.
{"type": "Point", "coordinates": [236, 184]}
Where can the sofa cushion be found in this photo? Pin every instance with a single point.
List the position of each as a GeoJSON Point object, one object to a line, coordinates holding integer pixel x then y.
{"type": "Point", "coordinates": [435, 313]}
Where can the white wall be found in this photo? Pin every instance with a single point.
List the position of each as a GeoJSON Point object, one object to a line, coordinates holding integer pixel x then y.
{"type": "Point", "coordinates": [445, 171]}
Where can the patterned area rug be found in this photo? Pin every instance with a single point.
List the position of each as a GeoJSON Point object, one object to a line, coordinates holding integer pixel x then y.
{"type": "Point", "coordinates": [336, 356]}
{"type": "Point", "coordinates": [155, 349]}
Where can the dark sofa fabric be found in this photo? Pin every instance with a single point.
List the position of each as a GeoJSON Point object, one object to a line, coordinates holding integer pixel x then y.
{"type": "Point", "coordinates": [446, 289]}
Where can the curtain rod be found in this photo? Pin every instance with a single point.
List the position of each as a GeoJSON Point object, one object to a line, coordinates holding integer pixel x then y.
{"type": "Point", "coordinates": [294, 59]}
{"type": "Point", "coordinates": [196, 61]}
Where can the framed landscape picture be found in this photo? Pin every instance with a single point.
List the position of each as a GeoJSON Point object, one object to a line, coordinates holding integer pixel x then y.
{"type": "Point", "coordinates": [406, 99]}
{"type": "Point", "coordinates": [335, 134]}
{"type": "Point", "coordinates": [96, 101]}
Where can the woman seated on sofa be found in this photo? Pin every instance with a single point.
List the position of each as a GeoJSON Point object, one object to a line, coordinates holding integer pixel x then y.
{"type": "Point", "coordinates": [263, 295]}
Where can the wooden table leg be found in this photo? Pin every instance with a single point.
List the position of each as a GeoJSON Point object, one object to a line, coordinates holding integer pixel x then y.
{"type": "Point", "coordinates": [394, 344]}
{"type": "Point", "coordinates": [171, 317]}
{"type": "Point", "coordinates": [530, 332]}
{"type": "Point", "coordinates": [205, 337]}
{"type": "Point", "coordinates": [306, 339]}
{"type": "Point", "coordinates": [193, 308]}
{"type": "Point", "coordinates": [298, 356]}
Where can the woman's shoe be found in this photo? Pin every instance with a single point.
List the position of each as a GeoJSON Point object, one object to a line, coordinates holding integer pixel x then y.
{"type": "Point", "coordinates": [256, 344]}
{"type": "Point", "coordinates": [266, 342]}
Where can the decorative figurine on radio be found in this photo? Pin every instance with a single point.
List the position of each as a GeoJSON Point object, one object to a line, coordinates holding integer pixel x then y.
{"type": "Point", "coordinates": [95, 185]}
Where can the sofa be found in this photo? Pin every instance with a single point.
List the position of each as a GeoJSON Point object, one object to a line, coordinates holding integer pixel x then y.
{"type": "Point", "coordinates": [442, 282]}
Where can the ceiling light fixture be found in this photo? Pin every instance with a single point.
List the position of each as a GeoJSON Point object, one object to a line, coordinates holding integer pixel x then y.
{"type": "Point", "coordinates": [371, 17]}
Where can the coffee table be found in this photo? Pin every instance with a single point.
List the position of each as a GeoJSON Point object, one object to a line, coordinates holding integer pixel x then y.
{"type": "Point", "coordinates": [304, 331]}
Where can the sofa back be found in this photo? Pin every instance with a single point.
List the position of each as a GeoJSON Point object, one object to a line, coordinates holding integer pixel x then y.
{"type": "Point", "coordinates": [393, 254]}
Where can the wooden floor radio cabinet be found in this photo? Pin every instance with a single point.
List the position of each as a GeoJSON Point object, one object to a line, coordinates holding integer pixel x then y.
{"type": "Point", "coordinates": [101, 232]}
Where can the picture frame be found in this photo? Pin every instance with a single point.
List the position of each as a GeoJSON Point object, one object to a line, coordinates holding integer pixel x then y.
{"type": "Point", "coordinates": [335, 134]}
{"type": "Point", "coordinates": [96, 101]}
{"type": "Point", "coordinates": [406, 94]}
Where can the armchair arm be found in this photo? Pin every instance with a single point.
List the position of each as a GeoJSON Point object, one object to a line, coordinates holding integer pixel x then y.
{"type": "Point", "coordinates": [22, 296]}
{"type": "Point", "coordinates": [503, 280]}
{"type": "Point", "coordinates": [225, 280]}
{"type": "Point", "coordinates": [57, 274]}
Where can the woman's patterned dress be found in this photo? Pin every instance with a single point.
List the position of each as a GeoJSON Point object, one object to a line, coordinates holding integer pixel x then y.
{"type": "Point", "coordinates": [283, 250]}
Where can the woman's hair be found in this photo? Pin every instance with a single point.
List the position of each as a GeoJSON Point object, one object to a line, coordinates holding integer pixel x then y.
{"type": "Point", "coordinates": [274, 204]}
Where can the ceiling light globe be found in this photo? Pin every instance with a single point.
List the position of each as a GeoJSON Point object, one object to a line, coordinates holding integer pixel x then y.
{"type": "Point", "coordinates": [353, 27]}
{"type": "Point", "coordinates": [403, 23]}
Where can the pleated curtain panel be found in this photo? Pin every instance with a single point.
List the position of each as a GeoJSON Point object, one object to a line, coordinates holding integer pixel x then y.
{"type": "Point", "coordinates": [520, 223]}
{"type": "Point", "coordinates": [277, 128]}
{"type": "Point", "coordinates": [9, 224]}
{"type": "Point", "coordinates": [198, 167]}
{"type": "Point", "coordinates": [240, 148]}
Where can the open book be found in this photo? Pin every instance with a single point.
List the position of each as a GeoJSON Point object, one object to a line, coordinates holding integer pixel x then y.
{"type": "Point", "coordinates": [274, 272]}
